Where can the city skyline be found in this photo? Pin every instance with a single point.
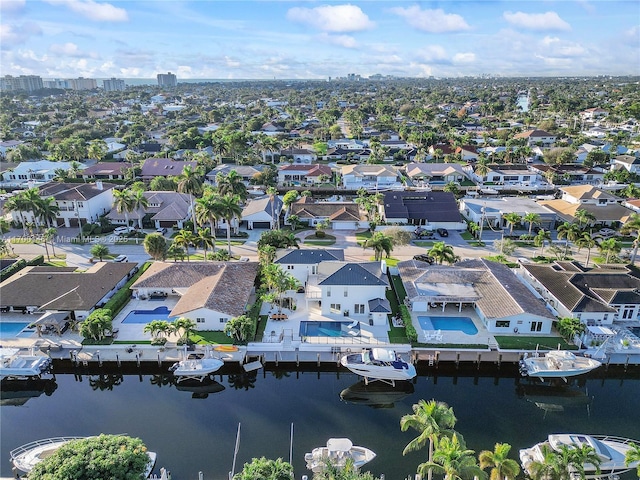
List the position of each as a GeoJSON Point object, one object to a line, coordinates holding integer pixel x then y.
{"type": "Point", "coordinates": [317, 40]}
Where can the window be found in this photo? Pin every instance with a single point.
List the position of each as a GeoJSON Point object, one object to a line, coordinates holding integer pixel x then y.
{"type": "Point", "coordinates": [346, 291]}
{"type": "Point", "coordinates": [628, 312]}
{"type": "Point", "coordinates": [503, 323]}
{"type": "Point", "coordinates": [336, 308]}
{"type": "Point", "coordinates": [602, 202]}
{"type": "Point", "coordinates": [224, 319]}
{"type": "Point", "coordinates": [80, 204]}
{"type": "Point", "coordinates": [314, 269]}
{"type": "Point", "coordinates": [358, 308]}
{"type": "Point", "coordinates": [199, 320]}
{"type": "Point", "coordinates": [536, 326]}
{"type": "Point", "coordinates": [289, 267]}
{"type": "Point", "coordinates": [328, 291]}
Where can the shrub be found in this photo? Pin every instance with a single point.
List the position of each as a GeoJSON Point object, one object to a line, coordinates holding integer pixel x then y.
{"type": "Point", "coordinates": [39, 260]}
{"type": "Point", "coordinates": [13, 268]}
{"type": "Point", "coordinates": [123, 295]}
{"type": "Point", "coordinates": [410, 330]}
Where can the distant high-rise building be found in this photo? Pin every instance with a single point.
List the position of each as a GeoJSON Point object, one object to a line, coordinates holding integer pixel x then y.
{"type": "Point", "coordinates": [81, 83]}
{"type": "Point", "coordinates": [167, 80]}
{"type": "Point", "coordinates": [28, 83]}
{"type": "Point", "coordinates": [353, 77]}
{"type": "Point", "coordinates": [113, 85]}
{"type": "Point", "coordinates": [56, 83]}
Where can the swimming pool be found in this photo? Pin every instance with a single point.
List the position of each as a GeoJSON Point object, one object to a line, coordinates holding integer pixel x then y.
{"type": "Point", "coordinates": [146, 316]}
{"type": "Point", "coordinates": [458, 324]}
{"type": "Point", "coordinates": [328, 329]}
{"type": "Point", "coordinates": [9, 330]}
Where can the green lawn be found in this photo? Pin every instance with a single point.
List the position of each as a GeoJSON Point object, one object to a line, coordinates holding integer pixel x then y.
{"type": "Point", "coordinates": [210, 336]}
{"type": "Point", "coordinates": [391, 262]}
{"type": "Point", "coordinates": [423, 243]}
{"type": "Point", "coordinates": [326, 240]}
{"type": "Point", "coordinates": [531, 343]}
{"type": "Point", "coordinates": [396, 334]}
{"type": "Point", "coordinates": [466, 236]}
{"type": "Point", "coordinates": [363, 236]}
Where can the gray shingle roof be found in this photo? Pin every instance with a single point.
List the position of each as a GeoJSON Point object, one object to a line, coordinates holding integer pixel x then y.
{"type": "Point", "coordinates": [357, 274]}
{"type": "Point", "coordinates": [308, 256]}
{"type": "Point", "coordinates": [379, 305]}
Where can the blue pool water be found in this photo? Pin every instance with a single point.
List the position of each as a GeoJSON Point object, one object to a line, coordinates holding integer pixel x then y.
{"type": "Point", "coordinates": [460, 324]}
{"type": "Point", "coordinates": [10, 330]}
{"type": "Point", "coordinates": [328, 329]}
{"type": "Point", "coordinates": [146, 316]}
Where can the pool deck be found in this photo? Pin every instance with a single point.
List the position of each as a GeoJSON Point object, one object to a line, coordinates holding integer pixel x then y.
{"type": "Point", "coordinates": [483, 337]}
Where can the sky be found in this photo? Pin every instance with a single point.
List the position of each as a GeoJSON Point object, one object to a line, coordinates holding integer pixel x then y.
{"type": "Point", "coordinates": [262, 39]}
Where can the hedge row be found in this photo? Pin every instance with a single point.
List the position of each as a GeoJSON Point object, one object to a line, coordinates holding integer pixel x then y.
{"type": "Point", "coordinates": [122, 296]}
{"type": "Point", "coordinates": [410, 330]}
{"type": "Point", "coordinates": [39, 260]}
{"type": "Point", "coordinates": [13, 268]}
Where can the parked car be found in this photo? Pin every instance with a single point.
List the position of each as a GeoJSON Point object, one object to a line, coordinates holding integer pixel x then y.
{"type": "Point", "coordinates": [424, 258]}
{"type": "Point", "coordinates": [123, 230]}
{"type": "Point", "coordinates": [161, 231]}
{"type": "Point", "coordinates": [120, 258]}
{"type": "Point", "coordinates": [443, 232]}
{"type": "Point", "coordinates": [422, 233]}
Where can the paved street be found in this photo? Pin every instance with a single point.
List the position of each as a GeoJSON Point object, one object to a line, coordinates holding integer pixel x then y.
{"type": "Point", "coordinates": [79, 255]}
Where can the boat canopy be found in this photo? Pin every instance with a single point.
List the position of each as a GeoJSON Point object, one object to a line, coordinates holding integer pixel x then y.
{"type": "Point", "coordinates": [383, 355]}
{"type": "Point", "coordinates": [339, 444]}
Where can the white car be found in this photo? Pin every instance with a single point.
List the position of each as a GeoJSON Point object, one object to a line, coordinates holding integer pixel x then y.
{"type": "Point", "coordinates": [123, 230]}
{"type": "Point", "coordinates": [120, 258]}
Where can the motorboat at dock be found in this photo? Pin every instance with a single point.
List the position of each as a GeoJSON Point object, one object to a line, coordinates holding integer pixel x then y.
{"type": "Point", "coordinates": [17, 364]}
{"type": "Point", "coordinates": [557, 364]}
{"type": "Point", "coordinates": [379, 364]}
{"type": "Point", "coordinates": [195, 369]}
{"type": "Point", "coordinates": [338, 452]}
{"type": "Point", "coordinates": [611, 451]}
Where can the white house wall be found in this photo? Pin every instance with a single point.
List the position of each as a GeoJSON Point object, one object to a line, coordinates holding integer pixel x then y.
{"type": "Point", "coordinates": [206, 319]}
{"type": "Point", "coordinates": [348, 296]}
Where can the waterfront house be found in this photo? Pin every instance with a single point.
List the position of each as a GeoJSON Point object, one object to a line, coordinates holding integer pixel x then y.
{"type": "Point", "coordinates": [246, 172]}
{"type": "Point", "coordinates": [537, 137]}
{"type": "Point", "coordinates": [598, 295]}
{"type": "Point", "coordinates": [491, 211]}
{"type": "Point", "coordinates": [165, 209]}
{"type": "Point", "coordinates": [38, 289]}
{"type": "Point", "coordinates": [605, 207]}
{"type": "Point", "coordinates": [32, 173]}
{"type": "Point", "coordinates": [422, 174]}
{"type": "Point", "coordinates": [350, 289]}
{"type": "Point", "coordinates": [431, 209]}
{"type": "Point", "coordinates": [299, 155]}
{"type": "Point", "coordinates": [303, 262]}
{"type": "Point", "coordinates": [303, 174]}
{"type": "Point", "coordinates": [209, 293]}
{"type": "Point", "coordinates": [569, 173]}
{"type": "Point", "coordinates": [340, 215]}
{"type": "Point", "coordinates": [371, 177]}
{"type": "Point", "coordinates": [106, 171]}
{"type": "Point", "coordinates": [502, 302]}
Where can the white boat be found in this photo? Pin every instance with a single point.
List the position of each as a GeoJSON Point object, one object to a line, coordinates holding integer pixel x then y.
{"type": "Point", "coordinates": [557, 364]}
{"type": "Point", "coordinates": [611, 450]}
{"type": "Point", "coordinates": [337, 452]}
{"type": "Point", "coordinates": [27, 456]}
{"type": "Point", "coordinates": [17, 364]}
{"type": "Point", "coordinates": [379, 364]}
{"type": "Point", "coordinates": [195, 369]}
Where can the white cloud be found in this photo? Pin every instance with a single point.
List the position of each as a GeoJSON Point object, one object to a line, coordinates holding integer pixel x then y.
{"type": "Point", "coordinates": [332, 18]}
{"type": "Point", "coordinates": [231, 63]}
{"type": "Point", "coordinates": [554, 47]}
{"type": "Point", "coordinates": [432, 53]}
{"type": "Point", "coordinates": [537, 21]}
{"type": "Point", "coordinates": [432, 21]}
{"type": "Point", "coordinates": [9, 6]}
{"type": "Point", "coordinates": [345, 41]}
{"type": "Point", "coordinates": [17, 34]}
{"type": "Point", "coordinates": [70, 49]}
{"type": "Point", "coordinates": [466, 57]}
{"type": "Point", "coordinates": [100, 12]}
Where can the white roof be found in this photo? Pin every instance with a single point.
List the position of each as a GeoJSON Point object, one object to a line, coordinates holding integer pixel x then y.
{"type": "Point", "coordinates": [596, 330]}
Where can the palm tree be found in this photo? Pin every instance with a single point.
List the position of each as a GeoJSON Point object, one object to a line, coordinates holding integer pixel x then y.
{"type": "Point", "coordinates": [157, 328]}
{"type": "Point", "coordinates": [33, 200]}
{"type": "Point", "coordinates": [185, 238]}
{"type": "Point", "coordinates": [48, 236]}
{"type": "Point", "coordinates": [453, 459]}
{"type": "Point", "coordinates": [156, 246]}
{"type": "Point", "coordinates": [123, 203]}
{"type": "Point", "coordinates": [577, 456]}
{"type": "Point", "coordinates": [183, 327]}
{"type": "Point", "coordinates": [231, 183]}
{"type": "Point", "coordinates": [47, 210]}
{"type": "Point", "coordinates": [549, 468]}
{"type": "Point", "coordinates": [206, 240]}
{"type": "Point", "coordinates": [229, 210]}
{"type": "Point", "coordinates": [633, 456]}
{"type": "Point", "coordinates": [139, 202]}
{"type": "Point", "coordinates": [442, 253]}
{"type": "Point", "coordinates": [273, 194]}
{"type": "Point", "coordinates": [18, 204]}
{"type": "Point", "coordinates": [584, 217]}
{"type": "Point", "coordinates": [502, 467]}
{"type": "Point", "coordinates": [585, 241]}
{"type": "Point", "coordinates": [432, 420]}
{"type": "Point", "coordinates": [381, 243]}
{"type": "Point", "coordinates": [542, 237]}
{"type": "Point", "coordinates": [532, 219]}
{"type": "Point", "coordinates": [609, 247]}
{"type": "Point", "coordinates": [570, 232]}
{"type": "Point", "coordinates": [190, 182]}
{"type": "Point", "coordinates": [99, 250]}
{"type": "Point", "coordinates": [632, 225]}
{"type": "Point", "coordinates": [512, 219]}
{"type": "Point", "coordinates": [208, 210]}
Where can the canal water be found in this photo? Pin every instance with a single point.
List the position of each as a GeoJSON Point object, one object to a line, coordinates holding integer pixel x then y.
{"type": "Point", "coordinates": [193, 428]}
{"type": "Point", "coordinates": [523, 102]}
